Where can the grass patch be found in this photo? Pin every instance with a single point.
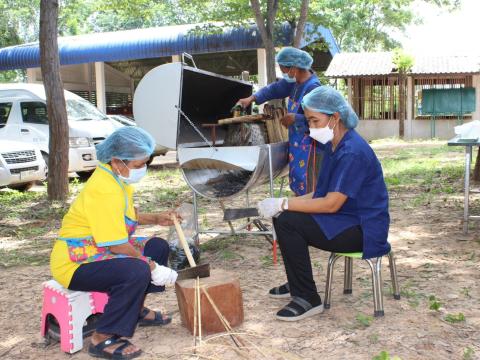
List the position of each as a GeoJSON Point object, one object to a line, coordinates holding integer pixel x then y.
{"type": "Point", "coordinates": [454, 318]}
{"type": "Point", "coordinates": [363, 321]}
{"type": "Point", "coordinates": [468, 353]}
{"type": "Point", "coordinates": [434, 303]}
{"type": "Point", "coordinates": [385, 356]}
{"type": "Point", "coordinates": [436, 170]}
{"type": "Point", "coordinates": [218, 244]}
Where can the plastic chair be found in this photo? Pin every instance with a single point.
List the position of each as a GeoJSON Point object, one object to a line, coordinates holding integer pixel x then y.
{"type": "Point", "coordinates": [71, 309]}
{"type": "Point", "coordinates": [376, 268]}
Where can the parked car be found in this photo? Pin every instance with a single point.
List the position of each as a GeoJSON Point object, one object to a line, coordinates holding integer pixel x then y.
{"type": "Point", "coordinates": [127, 121]}
{"type": "Point", "coordinates": [124, 120]}
{"type": "Point", "coordinates": [23, 117]}
{"type": "Point", "coordinates": [21, 165]}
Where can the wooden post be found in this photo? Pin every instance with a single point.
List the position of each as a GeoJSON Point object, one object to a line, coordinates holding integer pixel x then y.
{"type": "Point", "coordinates": [57, 113]}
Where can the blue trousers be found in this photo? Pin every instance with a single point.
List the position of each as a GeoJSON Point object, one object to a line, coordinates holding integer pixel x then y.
{"type": "Point", "coordinates": [126, 281]}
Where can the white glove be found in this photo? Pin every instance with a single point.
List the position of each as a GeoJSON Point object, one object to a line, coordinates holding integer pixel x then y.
{"type": "Point", "coordinates": [269, 207]}
{"type": "Point", "coordinates": [162, 275]}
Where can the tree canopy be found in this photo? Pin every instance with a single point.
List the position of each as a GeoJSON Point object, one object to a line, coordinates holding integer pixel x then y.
{"type": "Point", "coordinates": [357, 25]}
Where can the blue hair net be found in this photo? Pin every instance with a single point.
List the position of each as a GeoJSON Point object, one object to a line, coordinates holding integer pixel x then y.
{"type": "Point", "coordinates": [290, 56]}
{"type": "Point", "coordinates": [327, 100]}
{"type": "Point", "coordinates": [126, 143]}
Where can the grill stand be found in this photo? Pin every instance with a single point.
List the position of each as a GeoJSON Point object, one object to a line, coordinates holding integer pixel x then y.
{"type": "Point", "coordinates": [246, 228]}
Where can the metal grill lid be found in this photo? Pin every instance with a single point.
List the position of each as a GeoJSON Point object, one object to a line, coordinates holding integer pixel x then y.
{"type": "Point", "coordinates": [205, 97]}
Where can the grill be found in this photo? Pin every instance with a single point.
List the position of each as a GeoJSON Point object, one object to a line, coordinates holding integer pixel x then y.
{"type": "Point", "coordinates": [18, 157]}
{"type": "Point", "coordinates": [97, 140]}
{"type": "Point", "coordinates": [216, 164]}
{"type": "Point", "coordinates": [18, 171]}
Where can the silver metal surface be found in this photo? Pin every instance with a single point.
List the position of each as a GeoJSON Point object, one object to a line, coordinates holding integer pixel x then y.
{"type": "Point", "coordinates": [231, 171]}
{"type": "Point", "coordinates": [468, 159]}
{"type": "Point", "coordinates": [468, 144]}
{"type": "Point", "coordinates": [377, 284]}
{"type": "Point", "coordinates": [393, 276]}
{"type": "Point", "coordinates": [347, 275]}
{"type": "Point", "coordinates": [328, 284]}
{"type": "Point", "coordinates": [376, 267]}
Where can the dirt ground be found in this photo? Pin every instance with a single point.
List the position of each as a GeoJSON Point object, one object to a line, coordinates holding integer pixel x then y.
{"type": "Point", "coordinates": [438, 268]}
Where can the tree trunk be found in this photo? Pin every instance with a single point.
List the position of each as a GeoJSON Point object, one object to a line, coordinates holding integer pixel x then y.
{"type": "Point", "coordinates": [300, 28]}
{"type": "Point", "coordinates": [57, 113]}
{"type": "Point", "coordinates": [476, 170]}
{"type": "Point", "coordinates": [266, 29]}
{"type": "Point", "coordinates": [401, 105]}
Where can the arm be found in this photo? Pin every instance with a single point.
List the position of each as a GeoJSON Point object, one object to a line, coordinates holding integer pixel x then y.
{"type": "Point", "coordinates": [277, 90]}
{"type": "Point", "coordinates": [329, 204]}
{"type": "Point", "coordinates": [163, 218]}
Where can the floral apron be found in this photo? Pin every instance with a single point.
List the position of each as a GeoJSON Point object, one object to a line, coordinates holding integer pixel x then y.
{"type": "Point", "coordinates": [84, 250]}
{"type": "Point", "coordinates": [302, 171]}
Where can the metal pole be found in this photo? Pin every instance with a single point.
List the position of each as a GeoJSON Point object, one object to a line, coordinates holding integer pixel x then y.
{"type": "Point", "coordinates": [468, 157]}
{"type": "Point", "coordinates": [195, 219]}
{"type": "Point", "coordinates": [270, 170]}
{"type": "Point", "coordinates": [274, 235]}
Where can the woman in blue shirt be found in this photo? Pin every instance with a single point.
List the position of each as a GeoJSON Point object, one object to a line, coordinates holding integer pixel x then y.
{"type": "Point", "coordinates": [347, 212]}
{"type": "Point", "coordinates": [298, 80]}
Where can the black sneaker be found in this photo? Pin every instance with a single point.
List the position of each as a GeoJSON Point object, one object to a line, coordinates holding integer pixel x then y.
{"type": "Point", "coordinates": [280, 292]}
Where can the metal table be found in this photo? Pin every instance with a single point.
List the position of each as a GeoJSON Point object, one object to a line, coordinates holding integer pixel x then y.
{"type": "Point", "coordinates": [468, 144]}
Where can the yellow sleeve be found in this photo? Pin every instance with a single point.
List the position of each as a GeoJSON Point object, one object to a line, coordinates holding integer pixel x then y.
{"type": "Point", "coordinates": [105, 213]}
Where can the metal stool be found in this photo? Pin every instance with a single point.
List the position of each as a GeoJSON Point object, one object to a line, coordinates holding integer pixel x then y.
{"type": "Point", "coordinates": [375, 266]}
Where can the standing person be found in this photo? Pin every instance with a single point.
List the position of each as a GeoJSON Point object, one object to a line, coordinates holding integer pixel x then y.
{"type": "Point", "coordinates": [298, 80]}
{"type": "Point", "coordinates": [347, 212]}
{"type": "Point", "coordinates": [96, 249]}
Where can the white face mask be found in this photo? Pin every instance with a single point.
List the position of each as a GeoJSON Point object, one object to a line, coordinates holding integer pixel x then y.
{"type": "Point", "coordinates": [287, 77]}
{"type": "Point", "coordinates": [135, 175]}
{"type": "Point", "coordinates": [322, 135]}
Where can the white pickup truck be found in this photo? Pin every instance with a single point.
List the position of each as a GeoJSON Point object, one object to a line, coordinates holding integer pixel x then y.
{"type": "Point", "coordinates": [23, 117]}
{"type": "Point", "coordinates": [21, 164]}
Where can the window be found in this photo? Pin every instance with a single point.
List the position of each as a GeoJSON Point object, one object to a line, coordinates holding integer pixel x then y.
{"type": "Point", "coordinates": [375, 98]}
{"type": "Point", "coordinates": [4, 113]}
{"type": "Point", "coordinates": [34, 112]}
{"type": "Point", "coordinates": [422, 83]}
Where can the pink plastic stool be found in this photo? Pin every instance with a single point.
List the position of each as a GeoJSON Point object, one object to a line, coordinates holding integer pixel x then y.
{"type": "Point", "coordinates": [71, 309]}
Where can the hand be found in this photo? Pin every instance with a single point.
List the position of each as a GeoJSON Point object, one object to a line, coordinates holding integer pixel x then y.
{"type": "Point", "coordinates": [269, 207]}
{"type": "Point", "coordinates": [288, 120]}
{"type": "Point", "coordinates": [162, 275]}
{"type": "Point", "coordinates": [245, 102]}
{"type": "Point", "coordinates": [165, 218]}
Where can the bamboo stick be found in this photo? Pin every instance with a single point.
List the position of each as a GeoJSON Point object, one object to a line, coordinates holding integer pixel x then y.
{"type": "Point", "coordinates": [223, 320]}
{"type": "Point", "coordinates": [199, 311]}
{"type": "Point", "coordinates": [195, 317]}
{"type": "Point", "coordinates": [242, 119]}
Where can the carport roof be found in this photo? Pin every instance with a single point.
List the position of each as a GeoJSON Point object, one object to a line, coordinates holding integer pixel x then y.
{"type": "Point", "coordinates": [381, 64]}
{"type": "Point", "coordinates": [154, 43]}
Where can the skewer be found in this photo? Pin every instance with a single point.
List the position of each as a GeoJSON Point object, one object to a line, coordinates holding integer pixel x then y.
{"type": "Point", "coordinates": [223, 320]}
{"type": "Point", "coordinates": [195, 318]}
{"type": "Point", "coordinates": [199, 311]}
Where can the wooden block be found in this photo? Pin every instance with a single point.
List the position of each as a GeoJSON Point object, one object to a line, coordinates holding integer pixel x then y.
{"type": "Point", "coordinates": [224, 289]}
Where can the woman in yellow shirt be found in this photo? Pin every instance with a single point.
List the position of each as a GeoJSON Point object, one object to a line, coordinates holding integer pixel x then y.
{"type": "Point", "coordinates": [96, 249]}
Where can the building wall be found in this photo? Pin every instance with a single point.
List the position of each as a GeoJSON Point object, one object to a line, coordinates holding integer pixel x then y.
{"type": "Point", "coordinates": [419, 129]}
{"type": "Point", "coordinates": [414, 129]}
{"type": "Point", "coordinates": [377, 129]}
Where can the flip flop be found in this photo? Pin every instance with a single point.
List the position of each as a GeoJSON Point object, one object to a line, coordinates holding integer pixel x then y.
{"type": "Point", "coordinates": [99, 351]}
{"type": "Point", "coordinates": [157, 321]}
